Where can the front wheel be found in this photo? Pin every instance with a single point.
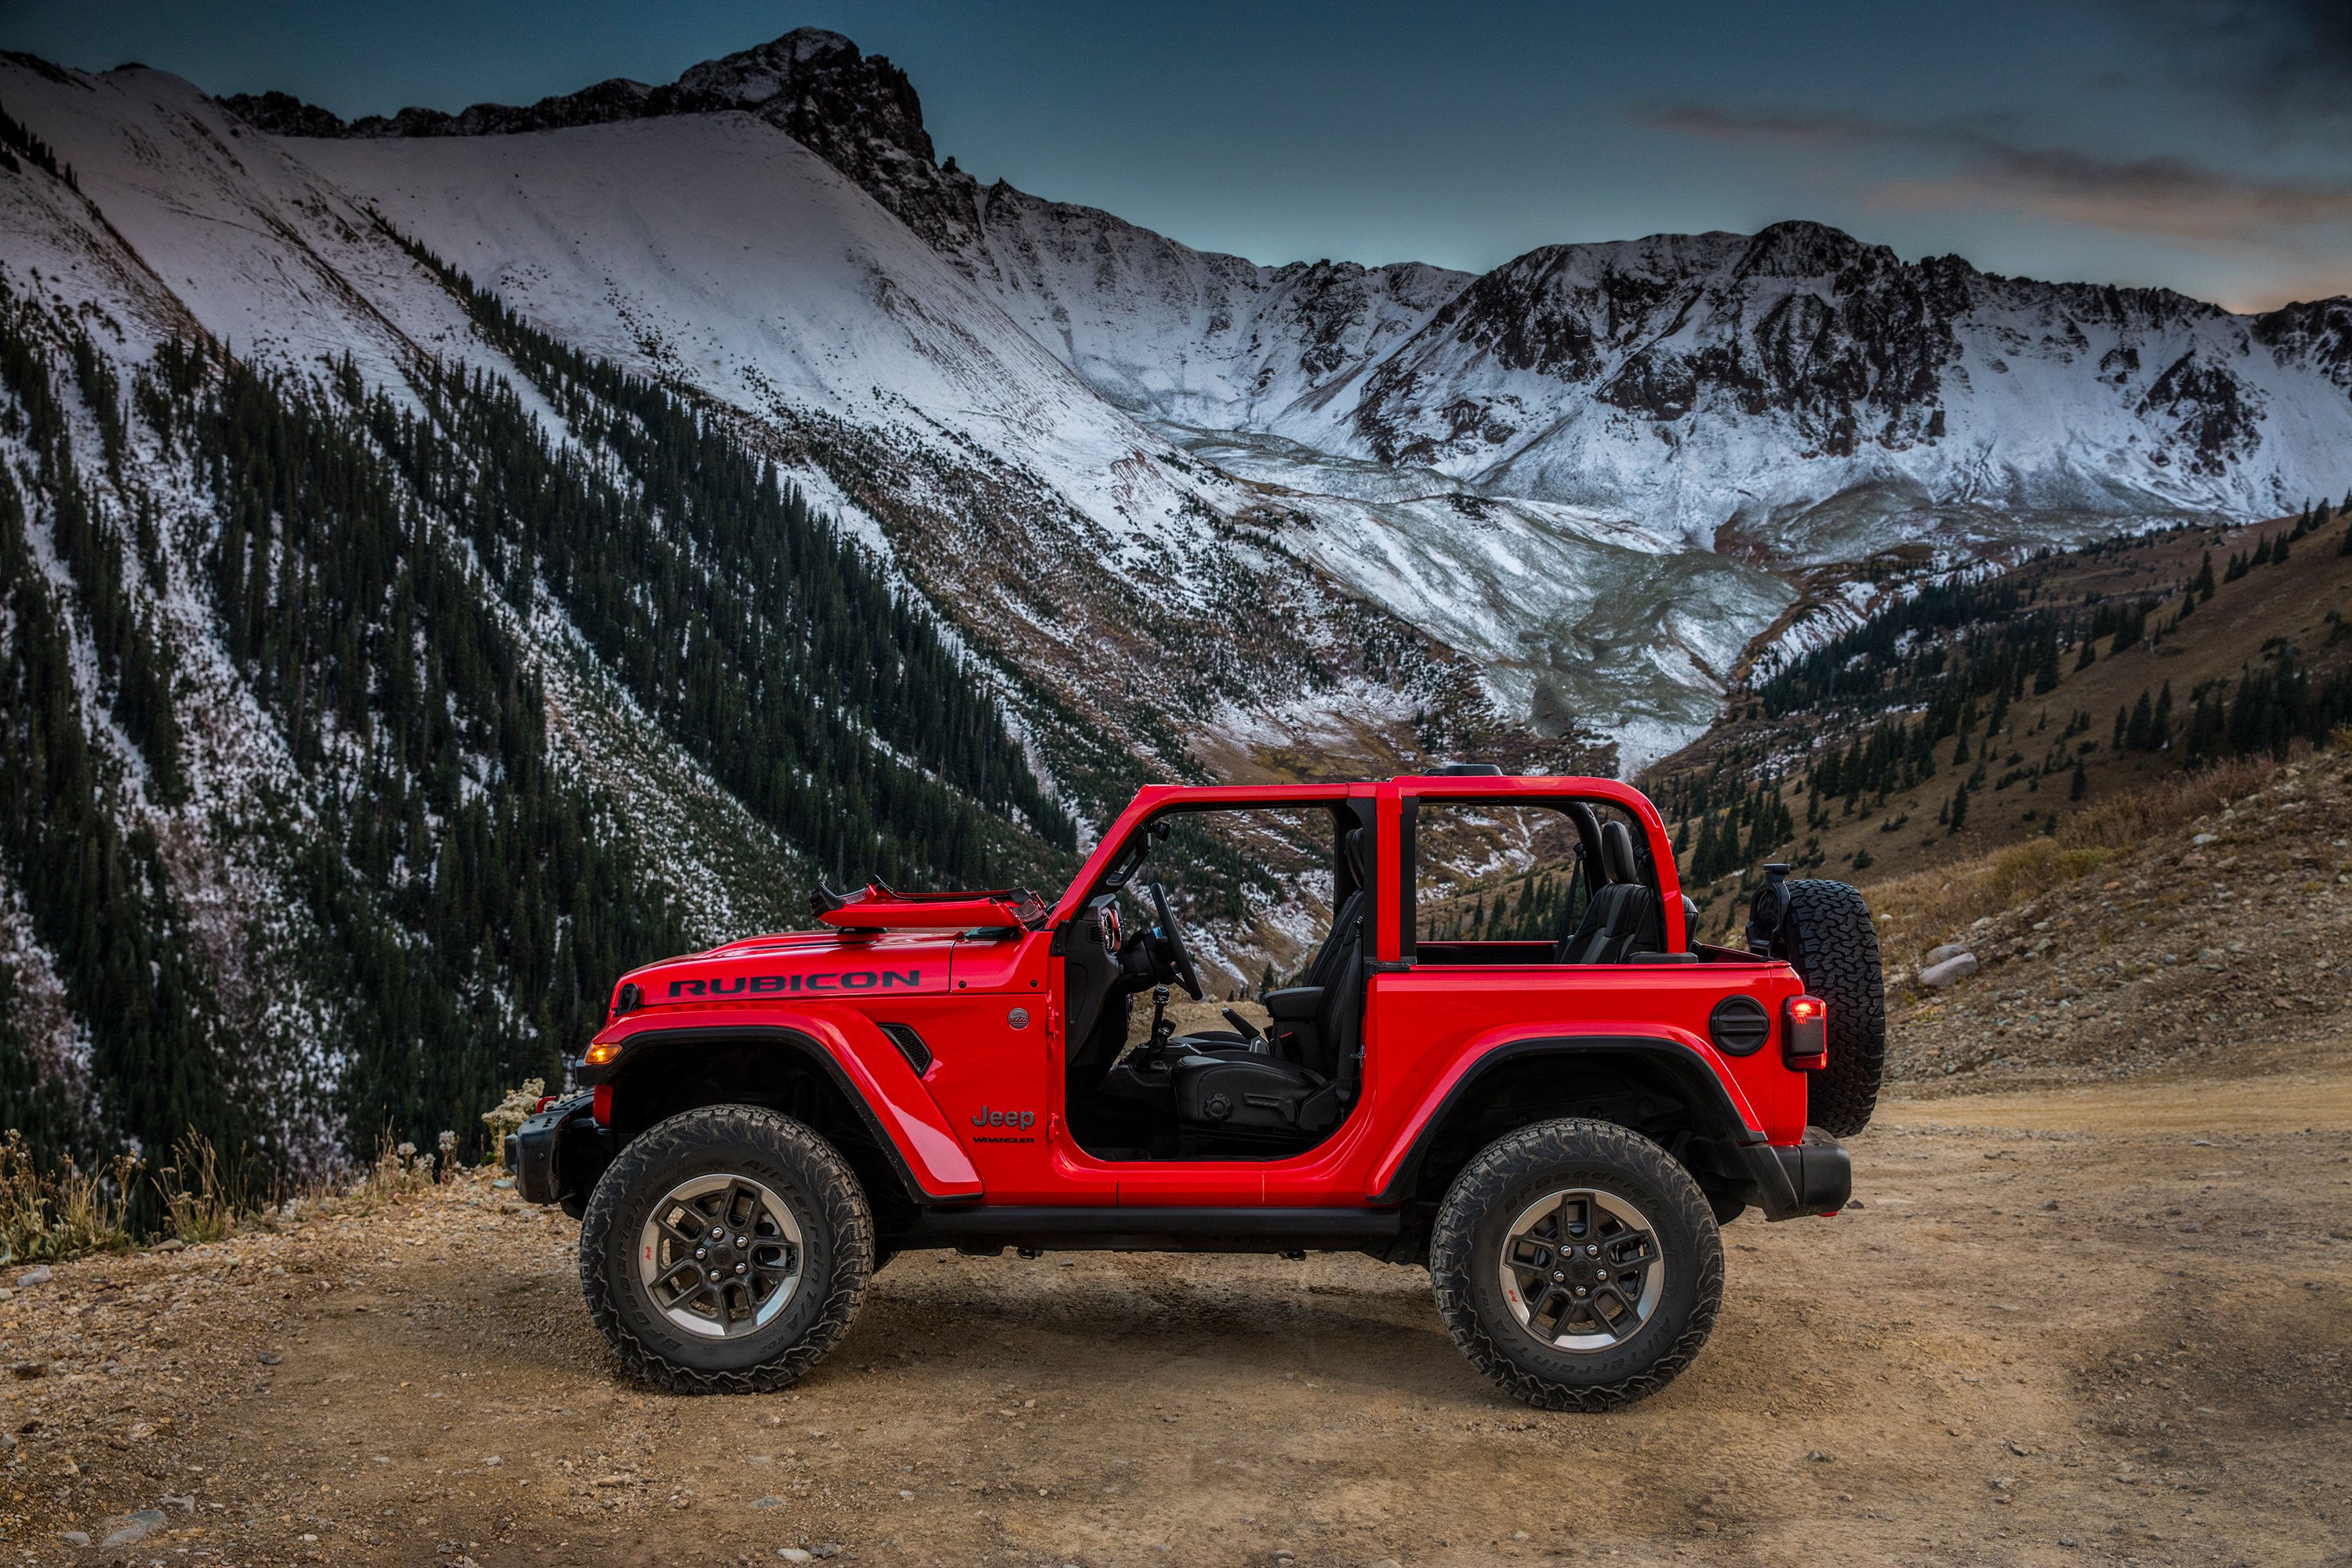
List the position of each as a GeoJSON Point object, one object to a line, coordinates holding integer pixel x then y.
{"type": "Point", "coordinates": [725, 1250]}
{"type": "Point", "coordinates": [1577, 1265]}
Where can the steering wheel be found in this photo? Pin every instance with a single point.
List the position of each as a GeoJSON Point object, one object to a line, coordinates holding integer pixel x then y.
{"type": "Point", "coordinates": [1171, 941]}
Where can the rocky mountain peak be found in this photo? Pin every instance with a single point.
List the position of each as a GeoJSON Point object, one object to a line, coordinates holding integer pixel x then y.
{"type": "Point", "coordinates": [857, 111]}
{"type": "Point", "coordinates": [816, 87]}
{"type": "Point", "coordinates": [812, 84]}
{"type": "Point", "coordinates": [1800, 248]}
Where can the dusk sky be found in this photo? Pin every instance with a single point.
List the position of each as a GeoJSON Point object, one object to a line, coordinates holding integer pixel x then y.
{"type": "Point", "coordinates": [2204, 145]}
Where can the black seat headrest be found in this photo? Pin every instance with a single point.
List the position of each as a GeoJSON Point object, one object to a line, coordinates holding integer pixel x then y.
{"type": "Point", "coordinates": [1617, 853]}
{"type": "Point", "coordinates": [1351, 854]}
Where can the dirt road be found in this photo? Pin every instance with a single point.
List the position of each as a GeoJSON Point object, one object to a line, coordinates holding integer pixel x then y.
{"type": "Point", "coordinates": [2088, 1326]}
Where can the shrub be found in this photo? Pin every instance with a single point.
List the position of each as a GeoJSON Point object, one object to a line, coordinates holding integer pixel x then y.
{"type": "Point", "coordinates": [517, 1107]}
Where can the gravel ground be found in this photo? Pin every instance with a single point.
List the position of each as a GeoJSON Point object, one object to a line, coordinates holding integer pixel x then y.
{"type": "Point", "coordinates": [2107, 1324]}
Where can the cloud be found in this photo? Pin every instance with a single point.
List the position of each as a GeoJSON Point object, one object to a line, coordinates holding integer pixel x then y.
{"type": "Point", "coordinates": [1979, 166]}
{"type": "Point", "coordinates": [2287, 64]}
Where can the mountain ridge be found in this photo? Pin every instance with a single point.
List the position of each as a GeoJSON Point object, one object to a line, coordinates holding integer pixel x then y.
{"type": "Point", "coordinates": [1797, 399]}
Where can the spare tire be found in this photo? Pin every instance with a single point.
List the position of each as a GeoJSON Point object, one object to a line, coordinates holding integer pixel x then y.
{"type": "Point", "coordinates": [1826, 935]}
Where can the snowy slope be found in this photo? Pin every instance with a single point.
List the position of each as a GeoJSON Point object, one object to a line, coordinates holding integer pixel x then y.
{"type": "Point", "coordinates": [1796, 395]}
{"type": "Point", "coordinates": [1186, 335]}
{"type": "Point", "coordinates": [188, 221]}
{"type": "Point", "coordinates": [1058, 421]}
{"type": "Point", "coordinates": [710, 249]}
{"type": "Point", "coordinates": [1809, 396]}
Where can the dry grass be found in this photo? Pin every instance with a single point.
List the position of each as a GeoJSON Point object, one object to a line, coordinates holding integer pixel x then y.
{"type": "Point", "coordinates": [1932, 906]}
{"type": "Point", "coordinates": [205, 1202]}
{"type": "Point", "coordinates": [47, 1217]}
{"type": "Point", "coordinates": [399, 1169]}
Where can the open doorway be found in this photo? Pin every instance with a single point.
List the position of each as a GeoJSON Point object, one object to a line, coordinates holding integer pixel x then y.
{"type": "Point", "coordinates": [1264, 909]}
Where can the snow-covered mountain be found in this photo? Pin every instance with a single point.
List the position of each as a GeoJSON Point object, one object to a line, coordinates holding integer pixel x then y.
{"type": "Point", "coordinates": [1794, 400]}
{"type": "Point", "coordinates": [1162, 512]}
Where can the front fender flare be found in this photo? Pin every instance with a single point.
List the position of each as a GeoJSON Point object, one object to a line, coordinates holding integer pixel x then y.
{"type": "Point", "coordinates": [869, 1071]}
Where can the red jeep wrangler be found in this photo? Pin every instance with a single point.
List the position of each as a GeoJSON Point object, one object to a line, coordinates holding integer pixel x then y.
{"type": "Point", "coordinates": [1554, 1121]}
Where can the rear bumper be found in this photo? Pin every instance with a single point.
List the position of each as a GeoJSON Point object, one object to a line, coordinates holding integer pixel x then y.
{"type": "Point", "coordinates": [1807, 1179]}
{"type": "Point", "coordinates": [551, 1154]}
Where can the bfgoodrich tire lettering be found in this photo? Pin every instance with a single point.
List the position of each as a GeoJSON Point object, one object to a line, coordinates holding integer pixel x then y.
{"type": "Point", "coordinates": [833, 1259]}
{"type": "Point", "coordinates": [1834, 946]}
{"type": "Point", "coordinates": [1498, 1190]}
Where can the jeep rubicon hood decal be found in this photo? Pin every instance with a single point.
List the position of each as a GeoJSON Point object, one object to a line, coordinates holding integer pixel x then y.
{"type": "Point", "coordinates": [797, 965]}
{"type": "Point", "coordinates": [712, 987]}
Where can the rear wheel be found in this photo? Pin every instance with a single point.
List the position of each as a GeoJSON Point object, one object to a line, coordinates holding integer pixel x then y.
{"type": "Point", "coordinates": [1577, 1265]}
{"type": "Point", "coordinates": [725, 1251]}
{"type": "Point", "coordinates": [1832, 945]}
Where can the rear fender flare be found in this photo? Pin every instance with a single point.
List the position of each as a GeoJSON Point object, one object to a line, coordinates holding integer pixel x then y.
{"type": "Point", "coordinates": [1714, 1094]}
{"type": "Point", "coordinates": [868, 1070]}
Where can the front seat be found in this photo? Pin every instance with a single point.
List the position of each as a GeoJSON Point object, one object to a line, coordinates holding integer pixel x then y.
{"type": "Point", "coordinates": [1241, 1092]}
{"type": "Point", "coordinates": [1292, 1001]}
{"type": "Point", "coordinates": [1622, 917]}
{"type": "Point", "coordinates": [1302, 1078]}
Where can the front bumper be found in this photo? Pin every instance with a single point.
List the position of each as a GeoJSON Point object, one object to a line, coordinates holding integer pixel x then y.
{"type": "Point", "coordinates": [557, 1155]}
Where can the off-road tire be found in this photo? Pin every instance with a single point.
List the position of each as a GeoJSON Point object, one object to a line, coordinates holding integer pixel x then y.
{"type": "Point", "coordinates": [1834, 946]}
{"type": "Point", "coordinates": [1466, 1247]}
{"type": "Point", "coordinates": [836, 1240]}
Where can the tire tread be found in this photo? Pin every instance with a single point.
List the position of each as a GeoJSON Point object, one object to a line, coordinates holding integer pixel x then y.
{"type": "Point", "coordinates": [1486, 1182]}
{"type": "Point", "coordinates": [1835, 947]}
{"type": "Point", "coordinates": [844, 1211]}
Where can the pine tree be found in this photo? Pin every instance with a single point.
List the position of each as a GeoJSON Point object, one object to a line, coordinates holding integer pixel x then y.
{"type": "Point", "coordinates": [2046, 670]}
{"type": "Point", "coordinates": [2082, 785]}
{"type": "Point", "coordinates": [469, 901]}
{"type": "Point", "coordinates": [1959, 812]}
{"type": "Point", "coordinates": [2203, 585]}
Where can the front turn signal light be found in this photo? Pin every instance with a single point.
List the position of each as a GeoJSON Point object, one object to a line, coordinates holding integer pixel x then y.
{"type": "Point", "coordinates": [602, 1052]}
{"type": "Point", "coordinates": [1805, 1033]}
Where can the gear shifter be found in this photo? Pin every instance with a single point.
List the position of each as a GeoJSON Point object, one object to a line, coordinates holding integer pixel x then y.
{"type": "Point", "coordinates": [1163, 1029]}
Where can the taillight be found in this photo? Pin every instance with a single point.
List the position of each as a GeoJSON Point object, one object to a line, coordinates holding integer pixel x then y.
{"type": "Point", "coordinates": [1805, 1033]}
